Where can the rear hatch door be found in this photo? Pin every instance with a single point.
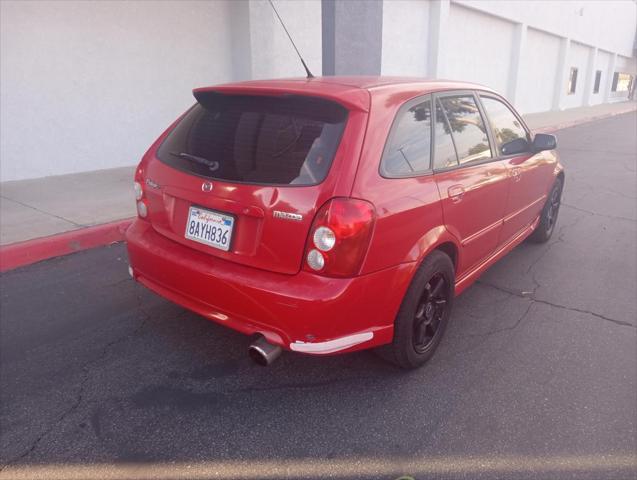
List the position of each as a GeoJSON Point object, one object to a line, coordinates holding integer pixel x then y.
{"type": "Point", "coordinates": [240, 177]}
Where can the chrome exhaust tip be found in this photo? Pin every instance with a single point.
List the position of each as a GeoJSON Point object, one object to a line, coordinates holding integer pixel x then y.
{"type": "Point", "coordinates": [263, 353]}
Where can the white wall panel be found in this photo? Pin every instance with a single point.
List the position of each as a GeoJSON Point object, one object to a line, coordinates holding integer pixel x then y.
{"type": "Point", "coordinates": [626, 64]}
{"type": "Point", "coordinates": [538, 70]}
{"type": "Point", "coordinates": [478, 48]}
{"type": "Point", "coordinates": [603, 64]}
{"type": "Point", "coordinates": [405, 37]}
{"type": "Point", "coordinates": [89, 85]}
{"type": "Point", "coordinates": [271, 52]}
{"type": "Point", "coordinates": [607, 24]}
{"type": "Point", "coordinates": [622, 65]}
{"type": "Point", "coordinates": [577, 58]}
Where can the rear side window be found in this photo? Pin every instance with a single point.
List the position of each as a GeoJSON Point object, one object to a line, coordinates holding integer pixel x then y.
{"type": "Point", "coordinates": [467, 128]}
{"type": "Point", "coordinates": [506, 126]}
{"type": "Point", "coordinates": [408, 148]}
{"type": "Point", "coordinates": [283, 140]}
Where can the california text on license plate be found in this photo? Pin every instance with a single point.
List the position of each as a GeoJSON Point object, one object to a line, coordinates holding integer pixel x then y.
{"type": "Point", "coordinates": [210, 228]}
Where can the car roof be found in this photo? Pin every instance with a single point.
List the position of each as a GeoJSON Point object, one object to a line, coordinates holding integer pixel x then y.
{"type": "Point", "coordinates": [365, 82]}
{"type": "Point", "coordinates": [352, 91]}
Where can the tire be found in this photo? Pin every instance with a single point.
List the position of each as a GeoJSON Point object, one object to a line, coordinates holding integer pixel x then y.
{"type": "Point", "coordinates": [548, 217]}
{"type": "Point", "coordinates": [410, 325]}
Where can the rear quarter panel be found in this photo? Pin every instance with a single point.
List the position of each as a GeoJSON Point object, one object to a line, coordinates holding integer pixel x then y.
{"type": "Point", "coordinates": [408, 224]}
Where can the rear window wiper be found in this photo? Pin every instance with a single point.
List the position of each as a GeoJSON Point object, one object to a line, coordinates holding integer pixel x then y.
{"type": "Point", "coordinates": [211, 164]}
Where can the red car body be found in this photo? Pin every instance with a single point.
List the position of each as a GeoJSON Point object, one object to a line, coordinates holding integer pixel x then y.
{"type": "Point", "coordinates": [475, 213]}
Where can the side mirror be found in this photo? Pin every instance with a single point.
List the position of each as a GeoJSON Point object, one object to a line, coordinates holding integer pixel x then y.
{"type": "Point", "coordinates": [515, 146]}
{"type": "Point", "coordinates": [544, 141]}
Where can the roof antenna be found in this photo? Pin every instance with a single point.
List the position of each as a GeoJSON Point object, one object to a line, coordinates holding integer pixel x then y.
{"type": "Point", "coordinates": [307, 70]}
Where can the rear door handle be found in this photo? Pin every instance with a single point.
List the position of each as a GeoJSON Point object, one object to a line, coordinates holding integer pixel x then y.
{"type": "Point", "coordinates": [455, 192]}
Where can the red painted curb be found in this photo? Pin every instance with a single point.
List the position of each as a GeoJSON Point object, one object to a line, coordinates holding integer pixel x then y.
{"type": "Point", "coordinates": [25, 253]}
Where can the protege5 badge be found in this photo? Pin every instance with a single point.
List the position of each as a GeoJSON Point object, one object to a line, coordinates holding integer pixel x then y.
{"type": "Point", "coordinates": [288, 216]}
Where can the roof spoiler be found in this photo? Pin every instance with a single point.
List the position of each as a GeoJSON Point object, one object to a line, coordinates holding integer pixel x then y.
{"type": "Point", "coordinates": [351, 98]}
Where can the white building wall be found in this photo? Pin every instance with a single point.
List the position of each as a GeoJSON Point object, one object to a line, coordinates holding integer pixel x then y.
{"type": "Point", "coordinates": [578, 58]}
{"type": "Point", "coordinates": [623, 65]}
{"type": "Point", "coordinates": [472, 54]}
{"type": "Point", "coordinates": [538, 70]}
{"type": "Point", "coordinates": [405, 37]}
{"type": "Point", "coordinates": [89, 85]}
{"type": "Point", "coordinates": [603, 63]}
{"type": "Point", "coordinates": [86, 85]}
{"type": "Point", "coordinates": [602, 23]}
{"type": "Point", "coordinates": [523, 49]}
{"type": "Point", "coordinates": [272, 54]}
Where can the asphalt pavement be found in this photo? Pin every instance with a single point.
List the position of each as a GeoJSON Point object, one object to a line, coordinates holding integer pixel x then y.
{"type": "Point", "coordinates": [536, 377]}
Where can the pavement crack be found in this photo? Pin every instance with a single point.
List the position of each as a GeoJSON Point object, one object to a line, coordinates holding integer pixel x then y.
{"type": "Point", "coordinates": [598, 189]}
{"type": "Point", "coordinates": [590, 212]}
{"type": "Point", "coordinates": [44, 212]}
{"type": "Point", "coordinates": [534, 299]}
{"type": "Point", "coordinates": [86, 376]}
{"type": "Point", "coordinates": [517, 323]}
{"type": "Point", "coordinates": [560, 239]}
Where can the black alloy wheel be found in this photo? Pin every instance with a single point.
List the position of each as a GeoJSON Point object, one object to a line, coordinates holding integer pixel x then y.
{"type": "Point", "coordinates": [424, 313]}
{"type": "Point", "coordinates": [548, 217]}
{"type": "Point", "coordinates": [430, 312]}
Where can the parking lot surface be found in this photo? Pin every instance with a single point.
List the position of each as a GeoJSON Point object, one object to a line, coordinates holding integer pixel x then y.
{"type": "Point", "coordinates": [536, 377]}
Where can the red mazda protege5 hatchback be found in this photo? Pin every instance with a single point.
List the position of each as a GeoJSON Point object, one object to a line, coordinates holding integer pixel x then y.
{"type": "Point", "coordinates": [328, 215]}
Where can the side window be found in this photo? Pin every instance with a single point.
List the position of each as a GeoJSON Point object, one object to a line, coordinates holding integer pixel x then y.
{"type": "Point", "coordinates": [408, 150]}
{"type": "Point", "coordinates": [445, 155]}
{"type": "Point", "coordinates": [467, 128]}
{"type": "Point", "coordinates": [598, 79]}
{"type": "Point", "coordinates": [510, 135]}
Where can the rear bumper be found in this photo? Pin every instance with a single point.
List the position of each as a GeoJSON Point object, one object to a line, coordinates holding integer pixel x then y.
{"type": "Point", "coordinates": [302, 312]}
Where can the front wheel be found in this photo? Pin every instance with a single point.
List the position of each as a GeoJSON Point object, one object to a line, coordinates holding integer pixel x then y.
{"type": "Point", "coordinates": [548, 217]}
{"type": "Point", "coordinates": [424, 313]}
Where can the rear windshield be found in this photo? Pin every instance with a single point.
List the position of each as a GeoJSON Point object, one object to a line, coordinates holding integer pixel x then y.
{"type": "Point", "coordinates": [283, 140]}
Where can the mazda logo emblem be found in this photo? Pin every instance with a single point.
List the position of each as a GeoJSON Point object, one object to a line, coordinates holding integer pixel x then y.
{"type": "Point", "coordinates": [206, 187]}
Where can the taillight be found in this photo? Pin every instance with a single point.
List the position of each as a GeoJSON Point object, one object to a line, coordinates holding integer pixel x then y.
{"type": "Point", "coordinates": [139, 191]}
{"type": "Point", "coordinates": [339, 237]}
{"type": "Point", "coordinates": [138, 186]}
{"type": "Point", "coordinates": [142, 209]}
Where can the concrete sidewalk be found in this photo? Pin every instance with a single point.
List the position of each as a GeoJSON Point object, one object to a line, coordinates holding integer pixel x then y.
{"type": "Point", "coordinates": [46, 206]}
{"type": "Point", "coordinates": [555, 120]}
{"type": "Point", "coordinates": [38, 208]}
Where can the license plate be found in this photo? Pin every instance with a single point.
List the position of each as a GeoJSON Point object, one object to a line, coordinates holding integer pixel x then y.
{"type": "Point", "coordinates": [210, 228]}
